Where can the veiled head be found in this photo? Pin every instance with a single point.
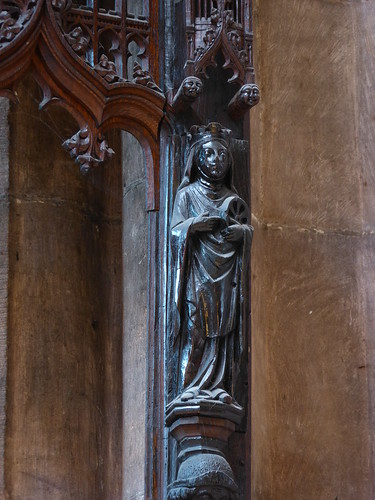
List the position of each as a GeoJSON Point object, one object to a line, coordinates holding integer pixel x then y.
{"type": "Point", "coordinates": [213, 159]}
{"type": "Point", "coordinates": [209, 155]}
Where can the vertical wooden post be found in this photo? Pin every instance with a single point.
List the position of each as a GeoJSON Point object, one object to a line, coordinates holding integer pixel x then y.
{"type": "Point", "coordinates": [4, 221]}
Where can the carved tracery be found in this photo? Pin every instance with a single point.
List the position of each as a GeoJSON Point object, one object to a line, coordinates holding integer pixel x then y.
{"type": "Point", "coordinates": [14, 16]}
{"type": "Point", "coordinates": [79, 54]}
{"type": "Point", "coordinates": [220, 25]}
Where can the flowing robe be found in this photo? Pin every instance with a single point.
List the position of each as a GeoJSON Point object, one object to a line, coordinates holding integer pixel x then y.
{"type": "Point", "coordinates": [209, 289]}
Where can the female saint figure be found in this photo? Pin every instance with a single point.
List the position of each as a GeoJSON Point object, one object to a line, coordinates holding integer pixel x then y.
{"type": "Point", "coordinates": [211, 241]}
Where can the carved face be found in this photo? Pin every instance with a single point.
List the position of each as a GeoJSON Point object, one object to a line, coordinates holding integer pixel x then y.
{"type": "Point", "coordinates": [192, 87]}
{"type": "Point", "coordinates": [209, 36]}
{"type": "Point", "coordinates": [214, 160]}
{"type": "Point", "coordinates": [104, 61]}
{"type": "Point", "coordinates": [234, 38]}
{"type": "Point", "coordinates": [250, 94]}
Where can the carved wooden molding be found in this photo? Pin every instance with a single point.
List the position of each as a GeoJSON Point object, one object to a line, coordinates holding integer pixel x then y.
{"type": "Point", "coordinates": [63, 46]}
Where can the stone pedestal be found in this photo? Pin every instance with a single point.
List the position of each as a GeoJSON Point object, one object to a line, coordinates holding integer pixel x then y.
{"type": "Point", "coordinates": [202, 430]}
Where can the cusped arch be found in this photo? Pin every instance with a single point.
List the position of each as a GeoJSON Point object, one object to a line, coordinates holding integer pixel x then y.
{"type": "Point", "coordinates": [96, 95]}
{"type": "Point", "coordinates": [109, 43]}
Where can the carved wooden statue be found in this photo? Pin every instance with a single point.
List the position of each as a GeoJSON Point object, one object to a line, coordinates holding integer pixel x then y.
{"type": "Point", "coordinates": [211, 244]}
{"type": "Point", "coordinates": [211, 238]}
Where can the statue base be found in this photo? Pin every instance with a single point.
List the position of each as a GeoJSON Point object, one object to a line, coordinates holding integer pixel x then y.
{"type": "Point", "coordinates": [202, 429]}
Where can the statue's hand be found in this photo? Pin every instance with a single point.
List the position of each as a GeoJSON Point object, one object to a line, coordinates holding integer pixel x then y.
{"type": "Point", "coordinates": [204, 223]}
{"type": "Point", "coordinates": [233, 233]}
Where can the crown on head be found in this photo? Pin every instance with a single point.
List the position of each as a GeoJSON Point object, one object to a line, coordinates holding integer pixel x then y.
{"type": "Point", "coordinates": [211, 131]}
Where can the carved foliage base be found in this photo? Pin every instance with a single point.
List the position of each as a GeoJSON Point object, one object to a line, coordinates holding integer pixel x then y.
{"type": "Point", "coordinates": [203, 471]}
{"type": "Point", "coordinates": [204, 476]}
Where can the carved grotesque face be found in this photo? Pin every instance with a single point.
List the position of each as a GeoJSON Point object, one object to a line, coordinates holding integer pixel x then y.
{"type": "Point", "coordinates": [250, 94]}
{"type": "Point", "coordinates": [192, 87]}
{"type": "Point", "coordinates": [214, 160]}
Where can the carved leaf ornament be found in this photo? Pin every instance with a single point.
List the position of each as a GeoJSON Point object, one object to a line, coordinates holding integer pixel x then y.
{"type": "Point", "coordinates": [14, 16]}
{"type": "Point", "coordinates": [86, 151]}
{"type": "Point", "coordinates": [65, 46]}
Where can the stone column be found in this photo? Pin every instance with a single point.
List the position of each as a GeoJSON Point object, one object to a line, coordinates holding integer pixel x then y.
{"type": "Point", "coordinates": [313, 257]}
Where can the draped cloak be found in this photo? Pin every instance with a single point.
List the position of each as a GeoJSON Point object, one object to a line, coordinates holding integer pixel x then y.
{"type": "Point", "coordinates": [209, 291]}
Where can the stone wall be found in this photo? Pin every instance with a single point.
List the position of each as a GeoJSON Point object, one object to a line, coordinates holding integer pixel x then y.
{"type": "Point", "coordinates": [313, 207]}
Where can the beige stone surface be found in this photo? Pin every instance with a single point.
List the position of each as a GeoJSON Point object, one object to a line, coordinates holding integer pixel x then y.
{"type": "Point", "coordinates": [313, 208]}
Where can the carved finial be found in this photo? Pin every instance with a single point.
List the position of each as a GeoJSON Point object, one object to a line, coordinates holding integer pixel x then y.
{"type": "Point", "coordinates": [143, 77]}
{"type": "Point", "coordinates": [87, 150]}
{"type": "Point", "coordinates": [247, 97]}
{"type": "Point", "coordinates": [189, 90]}
{"type": "Point", "coordinates": [77, 41]}
{"type": "Point", "coordinates": [107, 69]}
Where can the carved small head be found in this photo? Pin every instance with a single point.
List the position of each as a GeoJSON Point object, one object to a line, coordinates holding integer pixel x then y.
{"type": "Point", "coordinates": [192, 87]}
{"type": "Point", "coordinates": [235, 38]}
{"type": "Point", "coordinates": [78, 42]}
{"type": "Point", "coordinates": [209, 37]}
{"type": "Point", "coordinates": [77, 31]}
{"type": "Point", "coordinates": [215, 16]}
{"type": "Point", "coordinates": [249, 94]}
{"type": "Point", "coordinates": [104, 61]}
{"type": "Point", "coordinates": [228, 16]}
{"type": "Point", "coordinates": [140, 75]}
{"type": "Point", "coordinates": [244, 56]}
